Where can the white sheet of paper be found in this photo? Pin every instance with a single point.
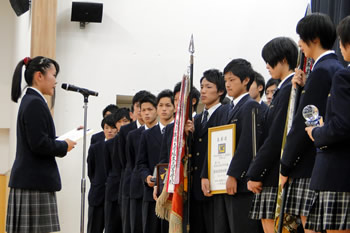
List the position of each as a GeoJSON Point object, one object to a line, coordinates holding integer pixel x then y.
{"type": "Point", "coordinates": [75, 134]}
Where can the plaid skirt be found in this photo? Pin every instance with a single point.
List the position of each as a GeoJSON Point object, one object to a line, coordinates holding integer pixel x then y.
{"type": "Point", "coordinates": [264, 204]}
{"type": "Point", "coordinates": [330, 211]}
{"type": "Point", "coordinates": [31, 211]}
{"type": "Point", "coordinates": [299, 197]}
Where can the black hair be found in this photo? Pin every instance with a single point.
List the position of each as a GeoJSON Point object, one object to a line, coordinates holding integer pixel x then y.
{"type": "Point", "coordinates": [272, 82]}
{"type": "Point", "coordinates": [166, 93]}
{"type": "Point", "coordinates": [226, 101]}
{"type": "Point", "coordinates": [177, 88]}
{"type": "Point", "coordinates": [317, 25]}
{"type": "Point", "coordinates": [343, 31]}
{"type": "Point", "coordinates": [195, 95]}
{"type": "Point", "coordinates": [139, 95]}
{"type": "Point", "coordinates": [278, 49]}
{"type": "Point", "coordinates": [108, 120]}
{"type": "Point", "coordinates": [149, 98]}
{"type": "Point", "coordinates": [39, 63]}
{"type": "Point", "coordinates": [242, 69]}
{"type": "Point", "coordinates": [260, 81]}
{"type": "Point", "coordinates": [216, 77]}
{"type": "Point", "coordinates": [112, 108]}
{"type": "Point", "coordinates": [120, 114]}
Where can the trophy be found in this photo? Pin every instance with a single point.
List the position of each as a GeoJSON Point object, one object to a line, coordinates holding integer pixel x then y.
{"type": "Point", "coordinates": [311, 115]}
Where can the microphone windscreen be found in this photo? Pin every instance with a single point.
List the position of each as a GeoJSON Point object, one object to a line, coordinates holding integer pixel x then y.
{"type": "Point", "coordinates": [64, 86]}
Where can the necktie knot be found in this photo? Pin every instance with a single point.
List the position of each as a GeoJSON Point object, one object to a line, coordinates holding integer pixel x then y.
{"type": "Point", "coordinates": [163, 130]}
{"type": "Point", "coordinates": [205, 118]}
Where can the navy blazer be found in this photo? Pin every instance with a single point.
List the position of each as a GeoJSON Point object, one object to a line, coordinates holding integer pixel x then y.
{"type": "Point", "coordinates": [148, 157]}
{"type": "Point", "coordinates": [265, 166]}
{"type": "Point", "coordinates": [35, 166]}
{"type": "Point", "coordinates": [299, 152]}
{"type": "Point", "coordinates": [200, 152]}
{"type": "Point", "coordinates": [113, 169]}
{"type": "Point", "coordinates": [132, 149]}
{"type": "Point", "coordinates": [166, 144]}
{"type": "Point", "coordinates": [332, 166]}
{"type": "Point", "coordinates": [97, 137]}
{"type": "Point", "coordinates": [97, 173]}
{"type": "Point", "coordinates": [242, 117]}
{"type": "Point", "coordinates": [120, 148]}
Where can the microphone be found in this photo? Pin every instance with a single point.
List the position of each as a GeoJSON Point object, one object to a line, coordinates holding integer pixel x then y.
{"type": "Point", "coordinates": [83, 91]}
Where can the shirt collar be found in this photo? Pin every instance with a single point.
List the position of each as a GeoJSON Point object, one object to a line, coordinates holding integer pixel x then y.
{"type": "Point", "coordinates": [284, 80]}
{"type": "Point", "coordinates": [322, 55]}
{"type": "Point", "coordinates": [211, 110]}
{"type": "Point", "coordinates": [235, 101]}
{"type": "Point", "coordinates": [138, 124]}
{"type": "Point", "coordinates": [33, 88]}
{"type": "Point", "coordinates": [161, 126]}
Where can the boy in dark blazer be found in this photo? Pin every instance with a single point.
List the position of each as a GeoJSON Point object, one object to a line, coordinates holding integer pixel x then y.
{"type": "Point", "coordinates": [148, 108]}
{"type": "Point", "coordinates": [280, 55]}
{"type": "Point", "coordinates": [317, 35]}
{"type": "Point", "coordinates": [232, 209]}
{"type": "Point", "coordinates": [330, 176]}
{"type": "Point", "coordinates": [120, 147]}
{"type": "Point", "coordinates": [113, 221]}
{"type": "Point", "coordinates": [98, 175]}
{"type": "Point", "coordinates": [212, 90]}
{"type": "Point", "coordinates": [256, 91]}
{"type": "Point", "coordinates": [148, 158]}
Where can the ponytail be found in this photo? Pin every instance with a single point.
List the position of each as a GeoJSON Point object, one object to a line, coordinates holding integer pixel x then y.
{"type": "Point", "coordinates": [38, 63]}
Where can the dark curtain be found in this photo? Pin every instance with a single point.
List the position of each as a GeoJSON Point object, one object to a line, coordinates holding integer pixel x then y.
{"type": "Point", "coordinates": [337, 10]}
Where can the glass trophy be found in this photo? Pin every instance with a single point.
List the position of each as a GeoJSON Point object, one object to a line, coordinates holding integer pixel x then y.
{"type": "Point", "coordinates": [311, 115]}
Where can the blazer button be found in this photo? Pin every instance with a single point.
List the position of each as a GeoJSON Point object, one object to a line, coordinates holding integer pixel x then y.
{"type": "Point", "coordinates": [196, 168]}
{"type": "Point", "coordinates": [197, 154]}
{"type": "Point", "coordinates": [200, 140]}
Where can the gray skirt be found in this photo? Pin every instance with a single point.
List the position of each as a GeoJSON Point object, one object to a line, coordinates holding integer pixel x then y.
{"type": "Point", "coordinates": [330, 211]}
{"type": "Point", "coordinates": [31, 211]}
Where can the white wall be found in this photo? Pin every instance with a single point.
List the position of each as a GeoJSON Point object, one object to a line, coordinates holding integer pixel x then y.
{"type": "Point", "coordinates": [142, 45]}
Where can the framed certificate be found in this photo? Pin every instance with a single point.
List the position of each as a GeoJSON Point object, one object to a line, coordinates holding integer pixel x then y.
{"type": "Point", "coordinates": [221, 148]}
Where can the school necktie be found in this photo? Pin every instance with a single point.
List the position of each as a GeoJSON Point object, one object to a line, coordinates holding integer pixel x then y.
{"type": "Point", "coordinates": [205, 119]}
{"type": "Point", "coordinates": [232, 106]}
{"type": "Point", "coordinates": [163, 130]}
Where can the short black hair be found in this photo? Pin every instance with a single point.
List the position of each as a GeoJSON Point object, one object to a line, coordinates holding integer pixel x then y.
{"type": "Point", "coordinates": [260, 81]}
{"type": "Point", "coordinates": [139, 95]}
{"type": "Point", "coordinates": [317, 25]}
{"type": "Point", "coordinates": [166, 93]}
{"type": "Point", "coordinates": [149, 98]}
{"type": "Point", "coordinates": [195, 95]}
{"type": "Point", "coordinates": [120, 114]}
{"type": "Point", "coordinates": [216, 77]}
{"type": "Point", "coordinates": [177, 88]}
{"type": "Point", "coordinates": [278, 49]}
{"type": "Point", "coordinates": [242, 69]}
{"type": "Point", "coordinates": [272, 82]}
{"type": "Point", "coordinates": [343, 31]}
{"type": "Point", "coordinates": [112, 108]}
{"type": "Point", "coordinates": [108, 120]}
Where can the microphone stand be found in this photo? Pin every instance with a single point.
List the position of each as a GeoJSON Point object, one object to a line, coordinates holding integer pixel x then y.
{"type": "Point", "coordinates": [83, 180]}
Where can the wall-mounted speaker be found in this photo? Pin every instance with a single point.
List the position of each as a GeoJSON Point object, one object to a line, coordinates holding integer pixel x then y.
{"type": "Point", "coordinates": [87, 12]}
{"type": "Point", "coordinates": [20, 6]}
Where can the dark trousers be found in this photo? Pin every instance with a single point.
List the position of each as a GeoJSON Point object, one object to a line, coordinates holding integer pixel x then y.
{"type": "Point", "coordinates": [96, 222]}
{"type": "Point", "coordinates": [113, 219]}
{"type": "Point", "coordinates": [136, 215]}
{"type": "Point", "coordinates": [202, 216]}
{"type": "Point", "coordinates": [231, 214]}
{"type": "Point", "coordinates": [150, 222]}
{"type": "Point", "coordinates": [125, 209]}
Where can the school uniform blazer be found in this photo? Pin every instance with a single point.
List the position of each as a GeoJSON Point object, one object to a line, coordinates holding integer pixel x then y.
{"type": "Point", "coordinates": [200, 152]}
{"type": "Point", "coordinates": [132, 147]}
{"type": "Point", "coordinates": [124, 160]}
{"type": "Point", "coordinates": [242, 117]}
{"type": "Point", "coordinates": [299, 152]}
{"type": "Point", "coordinates": [264, 109]}
{"type": "Point", "coordinates": [265, 167]}
{"type": "Point", "coordinates": [97, 137]}
{"type": "Point", "coordinates": [35, 167]}
{"type": "Point", "coordinates": [97, 173]}
{"type": "Point", "coordinates": [332, 166]}
{"type": "Point", "coordinates": [166, 144]}
{"type": "Point", "coordinates": [148, 157]}
{"type": "Point", "coordinates": [113, 168]}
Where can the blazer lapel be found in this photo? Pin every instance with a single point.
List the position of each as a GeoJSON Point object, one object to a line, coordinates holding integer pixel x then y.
{"type": "Point", "coordinates": [236, 108]}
